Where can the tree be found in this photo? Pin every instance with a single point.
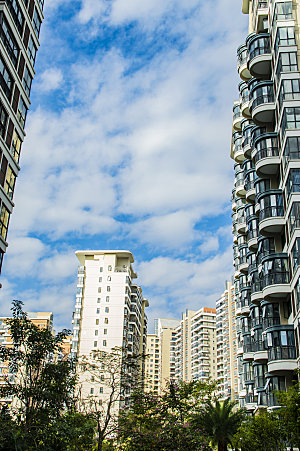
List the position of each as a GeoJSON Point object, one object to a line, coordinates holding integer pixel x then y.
{"type": "Point", "coordinates": [116, 375]}
{"type": "Point", "coordinates": [40, 387]}
{"type": "Point", "coordinates": [289, 414]}
{"type": "Point", "coordinates": [220, 421]}
{"type": "Point", "coordinates": [261, 432]}
{"type": "Point", "coordinates": [163, 422]}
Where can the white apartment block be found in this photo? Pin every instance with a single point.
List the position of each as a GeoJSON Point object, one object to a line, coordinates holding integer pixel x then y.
{"type": "Point", "coordinates": [195, 345]}
{"type": "Point", "coordinates": [227, 373]}
{"type": "Point", "coordinates": [109, 309]}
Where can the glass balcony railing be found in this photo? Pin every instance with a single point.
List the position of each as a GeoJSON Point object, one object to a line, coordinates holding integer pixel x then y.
{"type": "Point", "coordinates": [258, 44]}
{"type": "Point", "coordinates": [282, 353]}
{"type": "Point", "coordinates": [275, 271]}
{"type": "Point", "coordinates": [271, 204]}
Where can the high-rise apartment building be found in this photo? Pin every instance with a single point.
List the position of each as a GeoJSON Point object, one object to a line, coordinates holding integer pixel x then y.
{"type": "Point", "coordinates": [109, 309]}
{"type": "Point", "coordinates": [20, 23]}
{"type": "Point", "coordinates": [165, 331]}
{"type": "Point", "coordinates": [266, 201]}
{"type": "Point", "coordinates": [227, 374]}
{"type": "Point", "coordinates": [196, 346]}
{"type": "Point", "coordinates": [152, 364]}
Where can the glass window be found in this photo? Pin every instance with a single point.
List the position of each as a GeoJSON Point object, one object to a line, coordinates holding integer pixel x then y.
{"type": "Point", "coordinates": [8, 40]}
{"type": "Point", "coordinates": [31, 50]}
{"type": "Point", "coordinates": [4, 220]}
{"type": "Point", "coordinates": [27, 81]}
{"type": "Point", "coordinates": [293, 182]}
{"type": "Point", "coordinates": [284, 36]}
{"type": "Point", "coordinates": [283, 11]}
{"type": "Point", "coordinates": [22, 112]}
{"type": "Point", "coordinates": [290, 119]}
{"type": "Point", "coordinates": [10, 182]}
{"type": "Point", "coordinates": [41, 3]}
{"type": "Point", "coordinates": [289, 90]}
{"type": "Point", "coordinates": [16, 146]}
{"type": "Point", "coordinates": [17, 14]}
{"type": "Point", "coordinates": [6, 80]}
{"type": "Point", "coordinates": [36, 22]}
{"type": "Point", "coordinates": [287, 62]}
{"type": "Point", "coordinates": [3, 120]}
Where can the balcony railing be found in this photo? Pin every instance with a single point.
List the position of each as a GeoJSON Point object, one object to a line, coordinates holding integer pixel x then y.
{"type": "Point", "coordinates": [271, 212]}
{"type": "Point", "coordinates": [264, 98]}
{"type": "Point", "coordinates": [265, 153]}
{"type": "Point", "coordinates": [271, 321]}
{"type": "Point", "coordinates": [276, 278]}
{"type": "Point", "coordinates": [282, 353]}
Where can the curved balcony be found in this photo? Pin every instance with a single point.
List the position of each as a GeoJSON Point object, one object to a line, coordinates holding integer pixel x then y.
{"type": "Point", "coordinates": [251, 259]}
{"type": "Point", "coordinates": [281, 349]}
{"type": "Point", "coordinates": [237, 148]}
{"type": "Point", "coordinates": [266, 155]}
{"type": "Point", "coordinates": [242, 54]}
{"type": "Point", "coordinates": [247, 126]}
{"type": "Point", "coordinates": [271, 215]}
{"type": "Point", "coordinates": [248, 351]}
{"type": "Point", "coordinates": [259, 55]}
{"type": "Point", "coordinates": [243, 262]}
{"type": "Point", "coordinates": [245, 301]}
{"type": "Point", "coordinates": [276, 277]}
{"type": "Point", "coordinates": [252, 233]}
{"type": "Point", "coordinates": [256, 132]}
{"type": "Point", "coordinates": [250, 178]}
{"type": "Point", "coordinates": [244, 100]}
{"type": "Point", "coordinates": [241, 224]}
{"type": "Point", "coordinates": [266, 246]}
{"type": "Point", "coordinates": [260, 371]}
{"type": "Point", "coordinates": [270, 314]}
{"type": "Point", "coordinates": [237, 117]}
{"type": "Point", "coordinates": [262, 102]}
{"type": "Point", "coordinates": [256, 286]}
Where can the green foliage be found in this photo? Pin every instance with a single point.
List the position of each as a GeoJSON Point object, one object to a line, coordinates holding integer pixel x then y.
{"type": "Point", "coordinates": [163, 422]}
{"type": "Point", "coordinates": [289, 414]}
{"type": "Point", "coordinates": [261, 432]}
{"type": "Point", "coordinates": [220, 420]}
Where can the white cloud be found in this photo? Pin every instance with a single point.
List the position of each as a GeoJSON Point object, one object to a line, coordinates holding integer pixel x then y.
{"type": "Point", "coordinates": [50, 80]}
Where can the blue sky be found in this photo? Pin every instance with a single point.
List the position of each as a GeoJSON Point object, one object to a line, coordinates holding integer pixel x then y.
{"type": "Point", "coordinates": [127, 147]}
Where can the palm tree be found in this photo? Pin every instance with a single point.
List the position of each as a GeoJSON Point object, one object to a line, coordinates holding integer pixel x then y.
{"type": "Point", "coordinates": [220, 421]}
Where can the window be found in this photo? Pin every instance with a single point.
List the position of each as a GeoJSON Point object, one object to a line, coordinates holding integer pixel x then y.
{"type": "Point", "coordinates": [95, 344]}
{"type": "Point", "coordinates": [22, 112]}
{"type": "Point", "coordinates": [98, 311]}
{"type": "Point", "coordinates": [16, 144]}
{"type": "Point", "coordinates": [100, 279]}
{"type": "Point", "coordinates": [92, 378]}
{"type": "Point", "coordinates": [108, 278]}
{"type": "Point", "coordinates": [107, 298]}
{"type": "Point", "coordinates": [289, 90]}
{"type": "Point", "coordinates": [283, 11]}
{"type": "Point", "coordinates": [17, 14]}
{"type": "Point", "coordinates": [31, 50]}
{"type": "Point", "coordinates": [36, 22]}
{"type": "Point", "coordinates": [101, 268]}
{"type": "Point", "coordinates": [290, 119]}
{"type": "Point", "coordinates": [99, 289]}
{"type": "Point", "coordinates": [97, 321]}
{"type": "Point", "coordinates": [293, 182]}
{"type": "Point", "coordinates": [96, 332]}
{"type": "Point", "coordinates": [106, 309]}
{"type": "Point", "coordinates": [105, 320]}
{"type": "Point", "coordinates": [101, 390]}
{"type": "Point", "coordinates": [92, 391]}
{"type": "Point", "coordinates": [10, 182]}
{"type": "Point", "coordinates": [105, 331]}
{"type": "Point", "coordinates": [284, 36]}
{"type": "Point", "coordinates": [104, 343]}
{"type": "Point", "coordinates": [27, 81]}
{"type": "Point", "coordinates": [287, 62]}
{"type": "Point", "coordinates": [107, 288]}
{"type": "Point", "coordinates": [3, 120]}
{"type": "Point", "coordinates": [98, 300]}
{"type": "Point", "coordinates": [6, 80]}
{"type": "Point", "coordinates": [8, 39]}
{"type": "Point", "coordinates": [109, 268]}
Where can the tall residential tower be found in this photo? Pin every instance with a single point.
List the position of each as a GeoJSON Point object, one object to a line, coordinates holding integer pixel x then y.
{"type": "Point", "coordinates": [109, 309]}
{"type": "Point", "coordinates": [266, 201]}
{"type": "Point", "coordinates": [20, 23]}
